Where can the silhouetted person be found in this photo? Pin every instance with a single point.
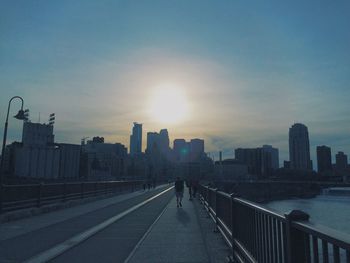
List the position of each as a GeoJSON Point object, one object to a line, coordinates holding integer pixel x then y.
{"type": "Point", "coordinates": [179, 191]}
{"type": "Point", "coordinates": [195, 185]}
{"type": "Point", "coordinates": [189, 186]}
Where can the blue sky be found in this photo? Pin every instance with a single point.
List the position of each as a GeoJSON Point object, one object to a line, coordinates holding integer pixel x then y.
{"type": "Point", "coordinates": [250, 69]}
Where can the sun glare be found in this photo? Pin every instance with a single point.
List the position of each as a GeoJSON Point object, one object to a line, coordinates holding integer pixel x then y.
{"type": "Point", "coordinates": [169, 104]}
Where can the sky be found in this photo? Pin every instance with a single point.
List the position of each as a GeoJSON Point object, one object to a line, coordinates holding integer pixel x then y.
{"type": "Point", "coordinates": [248, 69]}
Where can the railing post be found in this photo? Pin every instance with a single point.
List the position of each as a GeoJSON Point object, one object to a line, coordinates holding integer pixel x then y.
{"type": "Point", "coordinates": [233, 225]}
{"type": "Point", "coordinates": [216, 230]}
{"type": "Point", "coordinates": [38, 204]}
{"type": "Point", "coordinates": [297, 242]}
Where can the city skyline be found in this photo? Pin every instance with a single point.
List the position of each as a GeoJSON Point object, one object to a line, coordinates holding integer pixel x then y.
{"type": "Point", "coordinates": [247, 75]}
{"type": "Point", "coordinates": [215, 155]}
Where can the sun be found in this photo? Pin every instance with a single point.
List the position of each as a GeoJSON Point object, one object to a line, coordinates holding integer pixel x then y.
{"type": "Point", "coordinates": [169, 104]}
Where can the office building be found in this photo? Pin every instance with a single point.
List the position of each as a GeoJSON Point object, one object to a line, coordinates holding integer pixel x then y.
{"type": "Point", "coordinates": [324, 159]}
{"type": "Point", "coordinates": [299, 147]}
{"type": "Point", "coordinates": [152, 142]}
{"type": "Point", "coordinates": [258, 161]}
{"type": "Point", "coordinates": [136, 139]}
{"type": "Point", "coordinates": [196, 149]}
{"type": "Point", "coordinates": [341, 161]}
{"type": "Point", "coordinates": [164, 141]}
{"type": "Point", "coordinates": [158, 143]}
{"type": "Point", "coordinates": [274, 156]}
{"type": "Point", "coordinates": [104, 161]}
{"type": "Point", "coordinates": [191, 151]}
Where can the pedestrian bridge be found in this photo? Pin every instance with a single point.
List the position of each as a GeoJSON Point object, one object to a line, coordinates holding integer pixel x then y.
{"type": "Point", "coordinates": [146, 226]}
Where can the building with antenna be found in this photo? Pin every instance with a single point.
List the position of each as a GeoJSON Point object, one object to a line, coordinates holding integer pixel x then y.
{"type": "Point", "coordinates": [38, 156]}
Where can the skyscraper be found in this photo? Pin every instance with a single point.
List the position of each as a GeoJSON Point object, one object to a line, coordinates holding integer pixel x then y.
{"type": "Point", "coordinates": [152, 142]}
{"type": "Point", "coordinates": [324, 158]}
{"type": "Point", "coordinates": [274, 156]}
{"type": "Point", "coordinates": [341, 161]}
{"type": "Point", "coordinates": [164, 141]}
{"type": "Point", "coordinates": [299, 147]}
{"type": "Point", "coordinates": [191, 151]}
{"type": "Point", "coordinates": [196, 149]}
{"type": "Point", "coordinates": [136, 139]}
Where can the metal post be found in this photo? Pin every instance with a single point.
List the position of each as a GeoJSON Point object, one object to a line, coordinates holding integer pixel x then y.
{"type": "Point", "coordinates": [233, 225]}
{"type": "Point", "coordinates": [298, 248]}
{"type": "Point", "coordinates": [19, 116]}
{"type": "Point", "coordinates": [216, 230]}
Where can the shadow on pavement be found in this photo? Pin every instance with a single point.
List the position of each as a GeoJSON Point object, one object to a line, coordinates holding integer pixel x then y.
{"type": "Point", "coordinates": [182, 216]}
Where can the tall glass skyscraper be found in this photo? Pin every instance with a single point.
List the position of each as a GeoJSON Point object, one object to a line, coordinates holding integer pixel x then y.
{"type": "Point", "coordinates": [299, 147]}
{"type": "Point", "coordinates": [136, 139]}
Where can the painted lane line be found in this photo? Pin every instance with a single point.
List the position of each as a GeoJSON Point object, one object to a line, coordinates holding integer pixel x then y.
{"type": "Point", "coordinates": [75, 240]}
{"type": "Point", "coordinates": [146, 234]}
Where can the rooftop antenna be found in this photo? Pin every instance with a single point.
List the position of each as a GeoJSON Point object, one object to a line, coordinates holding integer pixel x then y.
{"type": "Point", "coordinates": [39, 118]}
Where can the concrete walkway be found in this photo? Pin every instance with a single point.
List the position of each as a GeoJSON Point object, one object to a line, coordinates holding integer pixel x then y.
{"type": "Point", "coordinates": [177, 236]}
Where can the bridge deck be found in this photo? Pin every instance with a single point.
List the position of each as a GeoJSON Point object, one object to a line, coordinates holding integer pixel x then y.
{"type": "Point", "coordinates": [138, 227]}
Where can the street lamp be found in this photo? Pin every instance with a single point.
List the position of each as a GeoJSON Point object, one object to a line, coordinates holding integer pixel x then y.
{"type": "Point", "coordinates": [20, 116]}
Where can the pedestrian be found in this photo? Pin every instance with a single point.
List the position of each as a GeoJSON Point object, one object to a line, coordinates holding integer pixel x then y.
{"type": "Point", "coordinates": [189, 185]}
{"type": "Point", "coordinates": [195, 185]}
{"type": "Point", "coordinates": [179, 191]}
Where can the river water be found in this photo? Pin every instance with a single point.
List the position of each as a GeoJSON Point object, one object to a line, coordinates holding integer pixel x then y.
{"type": "Point", "coordinates": [332, 211]}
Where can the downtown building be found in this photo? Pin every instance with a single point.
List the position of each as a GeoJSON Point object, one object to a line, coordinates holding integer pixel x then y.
{"type": "Point", "coordinates": [190, 160]}
{"type": "Point", "coordinates": [299, 147]}
{"type": "Point", "coordinates": [324, 159]}
{"type": "Point", "coordinates": [158, 143]}
{"type": "Point", "coordinates": [192, 151]}
{"type": "Point", "coordinates": [257, 160]}
{"type": "Point", "coordinates": [158, 156]}
{"type": "Point", "coordinates": [103, 161]}
{"type": "Point", "coordinates": [275, 162]}
{"type": "Point", "coordinates": [341, 161]}
{"type": "Point", "coordinates": [38, 156]}
{"type": "Point", "coordinates": [136, 139]}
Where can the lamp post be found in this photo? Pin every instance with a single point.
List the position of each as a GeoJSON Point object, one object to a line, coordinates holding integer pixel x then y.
{"type": "Point", "coordinates": [20, 116]}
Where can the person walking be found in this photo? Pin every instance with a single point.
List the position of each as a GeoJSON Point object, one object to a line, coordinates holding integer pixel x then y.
{"type": "Point", "coordinates": [195, 185]}
{"type": "Point", "coordinates": [179, 191]}
{"type": "Point", "coordinates": [189, 185]}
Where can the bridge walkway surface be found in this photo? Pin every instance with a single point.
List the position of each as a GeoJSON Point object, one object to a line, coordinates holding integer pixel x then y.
{"type": "Point", "coordinates": [144, 226]}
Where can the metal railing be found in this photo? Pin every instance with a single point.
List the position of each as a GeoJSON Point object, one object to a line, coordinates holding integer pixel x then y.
{"type": "Point", "coordinates": [257, 234]}
{"type": "Point", "coordinates": [15, 197]}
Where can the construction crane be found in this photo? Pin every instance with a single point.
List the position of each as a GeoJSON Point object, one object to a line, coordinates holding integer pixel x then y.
{"type": "Point", "coordinates": [83, 140]}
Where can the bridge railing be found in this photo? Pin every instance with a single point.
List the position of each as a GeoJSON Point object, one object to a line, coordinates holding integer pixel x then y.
{"type": "Point", "coordinates": [15, 197]}
{"type": "Point", "coordinates": [257, 234]}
